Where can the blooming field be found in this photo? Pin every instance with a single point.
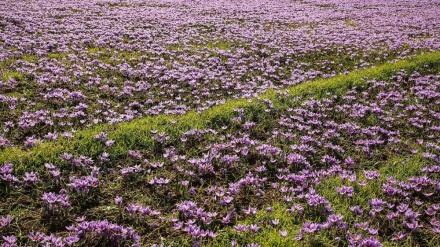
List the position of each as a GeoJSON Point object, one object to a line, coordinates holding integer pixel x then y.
{"type": "Point", "coordinates": [72, 64]}
{"type": "Point", "coordinates": [135, 123]}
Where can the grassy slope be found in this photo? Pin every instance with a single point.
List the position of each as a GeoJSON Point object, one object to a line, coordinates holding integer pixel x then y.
{"type": "Point", "coordinates": [137, 134]}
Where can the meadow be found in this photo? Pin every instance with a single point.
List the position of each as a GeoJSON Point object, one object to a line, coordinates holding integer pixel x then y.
{"type": "Point", "coordinates": [219, 123]}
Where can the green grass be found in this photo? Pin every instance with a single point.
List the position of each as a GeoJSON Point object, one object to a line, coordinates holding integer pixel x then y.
{"type": "Point", "coordinates": [268, 236]}
{"type": "Point", "coordinates": [136, 134]}
{"type": "Point", "coordinates": [14, 75]}
{"type": "Point", "coordinates": [350, 23]}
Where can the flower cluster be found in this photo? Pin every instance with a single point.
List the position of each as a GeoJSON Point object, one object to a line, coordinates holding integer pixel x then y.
{"type": "Point", "coordinates": [54, 201]}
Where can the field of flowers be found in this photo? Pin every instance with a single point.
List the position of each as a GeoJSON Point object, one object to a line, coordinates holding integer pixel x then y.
{"type": "Point", "coordinates": [219, 123]}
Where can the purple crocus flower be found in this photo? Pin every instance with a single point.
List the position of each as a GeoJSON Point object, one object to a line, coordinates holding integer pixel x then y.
{"type": "Point", "coordinates": [370, 242]}
{"type": "Point", "coordinates": [283, 233]}
{"type": "Point", "coordinates": [6, 220]}
{"type": "Point", "coordinates": [118, 200]}
{"type": "Point", "coordinates": [9, 241]}
{"type": "Point", "coordinates": [309, 227]}
{"type": "Point", "coordinates": [397, 236]}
